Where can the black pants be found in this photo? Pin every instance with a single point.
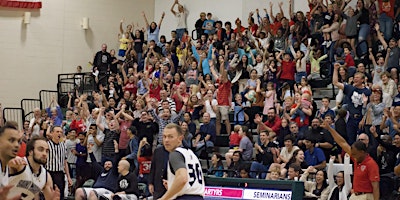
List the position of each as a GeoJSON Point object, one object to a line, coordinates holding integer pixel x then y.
{"type": "Point", "coordinates": [59, 180]}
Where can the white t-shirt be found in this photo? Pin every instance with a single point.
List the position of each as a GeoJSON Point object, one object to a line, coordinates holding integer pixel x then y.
{"type": "Point", "coordinates": [3, 176]}
{"type": "Point", "coordinates": [96, 149]}
{"type": "Point", "coordinates": [287, 155]}
{"type": "Point", "coordinates": [209, 109]}
{"type": "Point", "coordinates": [35, 127]}
{"type": "Point", "coordinates": [181, 20]}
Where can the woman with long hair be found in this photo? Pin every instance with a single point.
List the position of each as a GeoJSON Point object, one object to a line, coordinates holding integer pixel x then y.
{"type": "Point", "coordinates": [216, 165]}
{"type": "Point", "coordinates": [319, 188]}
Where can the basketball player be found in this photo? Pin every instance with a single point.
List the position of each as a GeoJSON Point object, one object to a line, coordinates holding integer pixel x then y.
{"type": "Point", "coordinates": [185, 178]}
{"type": "Point", "coordinates": [10, 139]}
{"type": "Point", "coordinates": [31, 179]}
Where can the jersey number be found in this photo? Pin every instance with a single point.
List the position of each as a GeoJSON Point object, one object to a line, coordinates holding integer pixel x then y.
{"type": "Point", "coordinates": [195, 173]}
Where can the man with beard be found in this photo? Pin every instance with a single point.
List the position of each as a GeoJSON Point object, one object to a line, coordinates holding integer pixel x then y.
{"type": "Point", "coordinates": [322, 137]}
{"type": "Point", "coordinates": [106, 178]}
{"type": "Point", "coordinates": [56, 164]}
{"type": "Point", "coordinates": [29, 180]}
{"type": "Point", "coordinates": [10, 143]}
{"type": "Point", "coordinates": [273, 123]}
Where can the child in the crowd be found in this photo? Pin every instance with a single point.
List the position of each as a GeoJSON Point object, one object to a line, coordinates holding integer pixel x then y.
{"type": "Point", "coordinates": [123, 44]}
{"type": "Point", "coordinates": [349, 62]}
{"type": "Point", "coordinates": [238, 106]}
{"type": "Point", "coordinates": [275, 174]}
{"type": "Point", "coordinates": [305, 103]}
{"type": "Point", "coordinates": [244, 172]}
{"type": "Point", "coordinates": [234, 138]}
{"type": "Point", "coordinates": [270, 97]}
{"type": "Point", "coordinates": [70, 144]}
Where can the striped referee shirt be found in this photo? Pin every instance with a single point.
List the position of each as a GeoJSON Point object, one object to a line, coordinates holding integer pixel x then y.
{"type": "Point", "coordinates": [57, 156]}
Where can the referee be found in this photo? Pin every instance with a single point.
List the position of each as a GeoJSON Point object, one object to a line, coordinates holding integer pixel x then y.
{"type": "Point", "coordinates": [57, 160]}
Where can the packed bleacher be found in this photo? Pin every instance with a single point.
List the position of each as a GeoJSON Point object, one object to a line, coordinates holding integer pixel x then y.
{"type": "Point", "coordinates": [246, 100]}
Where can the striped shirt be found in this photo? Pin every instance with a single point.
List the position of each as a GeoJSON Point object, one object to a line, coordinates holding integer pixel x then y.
{"type": "Point", "coordinates": [162, 123]}
{"type": "Point", "coordinates": [57, 156]}
{"type": "Point", "coordinates": [108, 144]}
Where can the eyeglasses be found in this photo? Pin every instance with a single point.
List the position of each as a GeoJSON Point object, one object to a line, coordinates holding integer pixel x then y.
{"type": "Point", "coordinates": [76, 113]}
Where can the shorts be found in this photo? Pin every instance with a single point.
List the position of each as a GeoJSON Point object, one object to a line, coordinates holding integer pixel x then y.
{"type": "Point", "coordinates": [352, 37]}
{"type": "Point", "coordinates": [98, 191]}
{"type": "Point", "coordinates": [121, 196]}
{"type": "Point", "coordinates": [224, 110]}
{"type": "Point", "coordinates": [121, 52]}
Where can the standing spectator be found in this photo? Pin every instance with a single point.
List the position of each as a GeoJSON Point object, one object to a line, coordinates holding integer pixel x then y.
{"type": "Point", "coordinates": [354, 95]}
{"type": "Point", "coordinates": [181, 16]}
{"type": "Point", "coordinates": [366, 171]}
{"type": "Point", "coordinates": [224, 96]}
{"type": "Point", "coordinates": [57, 165]}
{"type": "Point", "coordinates": [101, 63]}
{"type": "Point", "coordinates": [208, 25]}
{"type": "Point", "coordinates": [80, 151]}
{"type": "Point", "coordinates": [153, 29]}
{"type": "Point", "coordinates": [111, 133]}
{"type": "Point", "coordinates": [199, 24]}
{"type": "Point", "coordinates": [54, 112]}
{"type": "Point", "coordinates": [34, 124]}
{"type": "Point", "coordinates": [95, 140]}
{"type": "Point", "coordinates": [393, 51]}
{"type": "Point", "coordinates": [145, 127]}
{"type": "Point", "coordinates": [386, 16]}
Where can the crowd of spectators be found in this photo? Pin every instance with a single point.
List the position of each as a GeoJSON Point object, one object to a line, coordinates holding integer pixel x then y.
{"type": "Point", "coordinates": [260, 74]}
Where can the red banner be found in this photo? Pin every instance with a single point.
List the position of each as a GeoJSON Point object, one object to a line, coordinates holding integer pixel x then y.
{"type": "Point", "coordinates": [21, 4]}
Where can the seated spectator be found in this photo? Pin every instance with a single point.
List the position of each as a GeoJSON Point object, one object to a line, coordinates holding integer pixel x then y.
{"type": "Point", "coordinates": [288, 150]}
{"type": "Point", "coordinates": [267, 153]}
{"type": "Point", "coordinates": [244, 172]}
{"type": "Point", "coordinates": [294, 172]}
{"type": "Point", "coordinates": [206, 136]}
{"type": "Point", "coordinates": [322, 137]}
{"type": "Point", "coordinates": [235, 163]}
{"type": "Point", "coordinates": [216, 165]}
{"type": "Point", "coordinates": [325, 110]}
{"type": "Point", "coordinates": [106, 178]}
{"type": "Point", "coordinates": [314, 156]}
{"type": "Point", "coordinates": [297, 159]}
{"type": "Point", "coordinates": [245, 147]}
{"type": "Point", "coordinates": [274, 173]}
{"type": "Point", "coordinates": [188, 136]}
{"type": "Point", "coordinates": [126, 187]}
{"type": "Point", "coordinates": [340, 185]}
{"type": "Point", "coordinates": [319, 188]}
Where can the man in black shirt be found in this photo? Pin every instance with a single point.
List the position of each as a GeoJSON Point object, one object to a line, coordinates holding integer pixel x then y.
{"type": "Point", "coordinates": [127, 185]}
{"type": "Point", "coordinates": [322, 137]}
{"type": "Point", "coordinates": [101, 62]}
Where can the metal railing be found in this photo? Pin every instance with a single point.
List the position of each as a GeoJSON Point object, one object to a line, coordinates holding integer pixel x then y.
{"type": "Point", "coordinates": [14, 114]}
{"type": "Point", "coordinates": [28, 105]}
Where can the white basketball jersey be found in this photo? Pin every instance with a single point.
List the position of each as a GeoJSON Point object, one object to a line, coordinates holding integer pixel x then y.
{"type": "Point", "coordinates": [27, 183]}
{"type": "Point", "coordinates": [196, 184]}
{"type": "Point", "coordinates": [3, 176]}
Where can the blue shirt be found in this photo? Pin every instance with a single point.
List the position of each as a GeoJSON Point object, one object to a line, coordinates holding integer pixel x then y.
{"type": "Point", "coordinates": [208, 129]}
{"type": "Point", "coordinates": [314, 158]}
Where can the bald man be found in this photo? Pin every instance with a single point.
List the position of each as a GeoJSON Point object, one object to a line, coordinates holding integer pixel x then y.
{"type": "Point", "coordinates": [371, 148]}
{"type": "Point", "coordinates": [127, 187]}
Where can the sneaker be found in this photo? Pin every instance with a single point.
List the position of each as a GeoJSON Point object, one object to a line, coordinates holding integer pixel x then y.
{"type": "Point", "coordinates": [324, 43]}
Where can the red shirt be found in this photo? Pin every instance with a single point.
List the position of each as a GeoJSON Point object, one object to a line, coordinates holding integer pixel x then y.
{"type": "Point", "coordinates": [155, 92]}
{"type": "Point", "coordinates": [349, 61]}
{"type": "Point", "coordinates": [234, 139]}
{"type": "Point", "coordinates": [131, 87]}
{"type": "Point", "coordinates": [274, 125]}
{"type": "Point", "coordinates": [22, 150]}
{"type": "Point", "coordinates": [224, 91]}
{"type": "Point", "coordinates": [288, 70]}
{"type": "Point", "coordinates": [144, 165]}
{"type": "Point", "coordinates": [179, 103]}
{"type": "Point", "coordinates": [306, 121]}
{"type": "Point", "coordinates": [387, 7]}
{"type": "Point", "coordinates": [78, 125]}
{"type": "Point", "coordinates": [364, 173]}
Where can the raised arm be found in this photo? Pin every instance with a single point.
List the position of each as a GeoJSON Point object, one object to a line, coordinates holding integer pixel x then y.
{"type": "Point", "coordinates": [271, 14]}
{"type": "Point", "coordinates": [335, 77]}
{"type": "Point", "coordinates": [161, 20]}
{"type": "Point", "coordinates": [173, 5]}
{"type": "Point", "coordinates": [337, 137]}
{"type": "Point", "coordinates": [99, 122]}
{"type": "Point", "coordinates": [145, 19]}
